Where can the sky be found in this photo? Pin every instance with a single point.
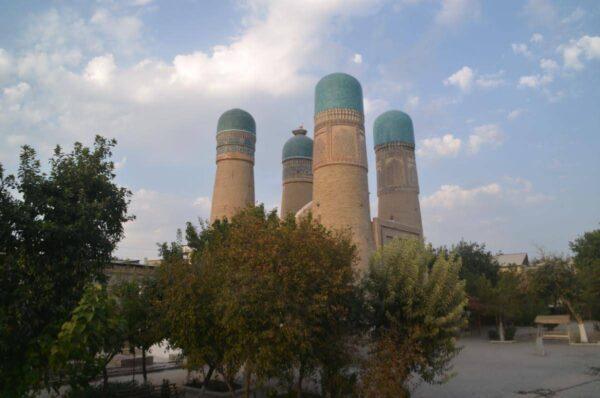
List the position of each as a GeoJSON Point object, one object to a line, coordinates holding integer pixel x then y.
{"type": "Point", "coordinates": [504, 97]}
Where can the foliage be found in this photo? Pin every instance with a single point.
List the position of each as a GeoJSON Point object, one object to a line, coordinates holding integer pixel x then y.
{"type": "Point", "coordinates": [57, 232]}
{"type": "Point", "coordinates": [587, 263]}
{"type": "Point", "coordinates": [476, 262]}
{"type": "Point", "coordinates": [124, 389]}
{"type": "Point", "coordinates": [505, 300]}
{"type": "Point", "coordinates": [274, 295]}
{"type": "Point", "coordinates": [556, 280]}
{"type": "Point", "coordinates": [88, 340]}
{"type": "Point", "coordinates": [415, 315]}
{"type": "Point", "coordinates": [139, 308]}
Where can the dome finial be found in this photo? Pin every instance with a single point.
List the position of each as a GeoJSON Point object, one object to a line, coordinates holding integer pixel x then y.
{"type": "Point", "coordinates": [299, 131]}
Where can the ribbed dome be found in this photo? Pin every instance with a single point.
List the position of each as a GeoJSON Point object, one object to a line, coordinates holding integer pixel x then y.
{"type": "Point", "coordinates": [236, 119]}
{"type": "Point", "coordinates": [338, 90]}
{"type": "Point", "coordinates": [298, 146]}
{"type": "Point", "coordinates": [393, 126]}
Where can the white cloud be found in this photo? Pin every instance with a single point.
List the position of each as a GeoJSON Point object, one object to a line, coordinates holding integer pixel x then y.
{"type": "Point", "coordinates": [491, 80]}
{"type": "Point", "coordinates": [5, 64]}
{"type": "Point", "coordinates": [521, 48]}
{"type": "Point", "coordinates": [453, 12]}
{"type": "Point", "coordinates": [158, 216]}
{"type": "Point", "coordinates": [16, 139]}
{"type": "Point", "coordinates": [575, 16]}
{"type": "Point", "coordinates": [452, 196]}
{"type": "Point", "coordinates": [413, 102]}
{"type": "Point", "coordinates": [16, 93]}
{"type": "Point", "coordinates": [485, 135]}
{"type": "Point", "coordinates": [536, 38]}
{"type": "Point", "coordinates": [203, 203]}
{"type": "Point", "coordinates": [463, 79]}
{"type": "Point", "coordinates": [587, 47]}
{"type": "Point", "coordinates": [121, 163]}
{"type": "Point", "coordinates": [535, 81]}
{"type": "Point", "coordinates": [548, 65]}
{"type": "Point", "coordinates": [357, 58]}
{"type": "Point", "coordinates": [515, 113]}
{"type": "Point", "coordinates": [100, 70]}
{"type": "Point", "coordinates": [466, 77]}
{"type": "Point", "coordinates": [439, 147]}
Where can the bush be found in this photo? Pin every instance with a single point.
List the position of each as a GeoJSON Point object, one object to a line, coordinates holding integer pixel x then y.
{"type": "Point", "coordinates": [510, 332]}
{"type": "Point", "coordinates": [493, 334]}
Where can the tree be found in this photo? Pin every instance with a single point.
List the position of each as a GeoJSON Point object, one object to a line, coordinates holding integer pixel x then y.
{"type": "Point", "coordinates": [556, 280]}
{"type": "Point", "coordinates": [57, 233]}
{"type": "Point", "coordinates": [139, 307]}
{"type": "Point", "coordinates": [587, 264]}
{"type": "Point", "coordinates": [274, 296]}
{"type": "Point", "coordinates": [505, 300]}
{"type": "Point", "coordinates": [88, 341]}
{"type": "Point", "coordinates": [476, 262]}
{"type": "Point", "coordinates": [415, 314]}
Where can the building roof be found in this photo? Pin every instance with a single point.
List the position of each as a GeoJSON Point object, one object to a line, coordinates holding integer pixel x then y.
{"type": "Point", "coordinates": [338, 90]}
{"type": "Point", "coordinates": [505, 260]}
{"type": "Point", "coordinates": [298, 146]}
{"type": "Point", "coordinates": [236, 119]}
{"type": "Point", "coordinates": [393, 126]}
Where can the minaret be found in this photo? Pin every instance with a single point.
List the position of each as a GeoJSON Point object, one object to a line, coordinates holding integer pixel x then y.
{"type": "Point", "coordinates": [234, 182]}
{"type": "Point", "coordinates": [297, 172]}
{"type": "Point", "coordinates": [399, 212]}
{"type": "Point", "coordinates": [340, 191]}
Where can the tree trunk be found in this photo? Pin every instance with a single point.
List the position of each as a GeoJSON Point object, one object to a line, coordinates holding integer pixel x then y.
{"type": "Point", "coordinates": [300, 379]}
{"type": "Point", "coordinates": [501, 329]}
{"type": "Point", "coordinates": [582, 333]}
{"type": "Point", "coordinates": [133, 368]}
{"type": "Point", "coordinates": [105, 377]}
{"type": "Point", "coordinates": [247, 376]}
{"type": "Point", "coordinates": [144, 365]}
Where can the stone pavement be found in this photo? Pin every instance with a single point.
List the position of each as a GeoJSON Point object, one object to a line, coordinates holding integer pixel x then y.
{"type": "Point", "coordinates": [485, 369]}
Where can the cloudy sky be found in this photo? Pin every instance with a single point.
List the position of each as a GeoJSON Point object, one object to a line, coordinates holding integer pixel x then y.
{"type": "Point", "coordinates": [504, 96]}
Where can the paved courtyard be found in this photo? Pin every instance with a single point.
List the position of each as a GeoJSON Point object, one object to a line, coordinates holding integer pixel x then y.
{"type": "Point", "coordinates": [485, 369]}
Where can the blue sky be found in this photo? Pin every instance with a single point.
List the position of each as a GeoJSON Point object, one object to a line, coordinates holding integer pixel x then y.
{"type": "Point", "coordinates": [503, 95]}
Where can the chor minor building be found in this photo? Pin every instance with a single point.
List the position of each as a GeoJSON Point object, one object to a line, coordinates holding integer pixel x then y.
{"type": "Point", "coordinates": [328, 174]}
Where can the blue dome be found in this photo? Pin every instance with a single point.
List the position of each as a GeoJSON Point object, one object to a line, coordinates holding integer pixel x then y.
{"type": "Point", "coordinates": [236, 119]}
{"type": "Point", "coordinates": [338, 90]}
{"type": "Point", "coordinates": [298, 146]}
{"type": "Point", "coordinates": [393, 126]}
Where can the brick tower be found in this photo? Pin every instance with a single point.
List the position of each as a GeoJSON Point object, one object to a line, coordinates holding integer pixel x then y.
{"type": "Point", "coordinates": [340, 190]}
{"type": "Point", "coordinates": [399, 212]}
{"type": "Point", "coordinates": [234, 181]}
{"type": "Point", "coordinates": [297, 172]}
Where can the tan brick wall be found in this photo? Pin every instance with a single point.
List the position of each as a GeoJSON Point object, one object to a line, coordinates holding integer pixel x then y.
{"type": "Point", "coordinates": [234, 187]}
{"type": "Point", "coordinates": [340, 183]}
{"type": "Point", "coordinates": [297, 185]}
{"type": "Point", "coordinates": [295, 196]}
{"type": "Point", "coordinates": [398, 185]}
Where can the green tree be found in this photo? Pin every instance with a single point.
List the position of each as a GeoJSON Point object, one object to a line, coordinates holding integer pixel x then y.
{"type": "Point", "coordinates": [139, 307]}
{"type": "Point", "coordinates": [274, 296]}
{"type": "Point", "coordinates": [505, 300]}
{"type": "Point", "coordinates": [587, 264]}
{"type": "Point", "coordinates": [476, 262]}
{"type": "Point", "coordinates": [87, 342]}
{"type": "Point", "coordinates": [556, 281]}
{"type": "Point", "coordinates": [416, 313]}
{"type": "Point", "coordinates": [57, 233]}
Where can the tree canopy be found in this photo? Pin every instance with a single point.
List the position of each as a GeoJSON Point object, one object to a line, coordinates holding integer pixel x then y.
{"type": "Point", "coordinates": [415, 314]}
{"type": "Point", "coordinates": [58, 230]}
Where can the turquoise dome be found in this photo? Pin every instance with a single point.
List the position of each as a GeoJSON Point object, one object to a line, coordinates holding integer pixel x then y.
{"type": "Point", "coordinates": [393, 126]}
{"type": "Point", "coordinates": [338, 90]}
{"type": "Point", "coordinates": [236, 119]}
{"type": "Point", "coordinates": [298, 146]}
